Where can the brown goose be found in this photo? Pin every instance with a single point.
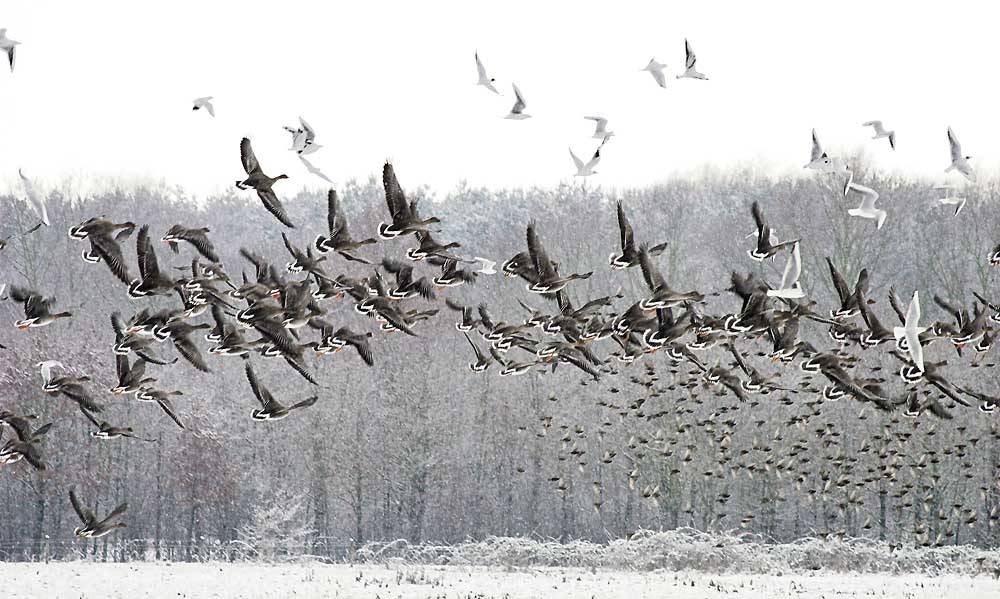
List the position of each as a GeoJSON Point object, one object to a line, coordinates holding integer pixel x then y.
{"type": "Point", "coordinates": [334, 341]}
{"type": "Point", "coordinates": [630, 255]}
{"type": "Point", "coordinates": [547, 279]}
{"type": "Point", "coordinates": [261, 183]}
{"type": "Point", "coordinates": [767, 242]}
{"type": "Point", "coordinates": [196, 237]}
{"type": "Point", "coordinates": [92, 527]}
{"type": "Point", "coordinates": [151, 281]}
{"type": "Point", "coordinates": [106, 431]}
{"type": "Point", "coordinates": [104, 237]}
{"type": "Point", "coordinates": [270, 408]}
{"type": "Point", "coordinates": [37, 309]}
{"type": "Point", "coordinates": [162, 399]}
{"type": "Point", "coordinates": [404, 221]}
{"type": "Point", "coordinates": [340, 239]}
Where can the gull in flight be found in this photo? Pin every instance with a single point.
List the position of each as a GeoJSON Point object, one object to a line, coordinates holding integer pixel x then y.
{"type": "Point", "coordinates": [867, 208]}
{"type": "Point", "coordinates": [45, 369]}
{"type": "Point", "coordinates": [818, 160]}
{"type": "Point", "coordinates": [488, 266]}
{"type": "Point", "coordinates": [949, 199]}
{"type": "Point", "coordinates": [517, 111]}
{"type": "Point", "coordinates": [790, 288]}
{"type": "Point", "coordinates": [880, 132]}
{"type": "Point", "coordinates": [8, 45]}
{"type": "Point", "coordinates": [484, 79]}
{"type": "Point", "coordinates": [206, 103]}
{"type": "Point", "coordinates": [585, 170]}
{"type": "Point", "coordinates": [656, 70]}
{"type": "Point", "coordinates": [303, 138]}
{"type": "Point", "coordinates": [911, 332]}
{"type": "Point", "coordinates": [601, 131]}
{"type": "Point", "coordinates": [312, 169]}
{"type": "Point", "coordinates": [689, 58]}
{"type": "Point", "coordinates": [35, 200]}
{"type": "Point", "coordinates": [959, 162]}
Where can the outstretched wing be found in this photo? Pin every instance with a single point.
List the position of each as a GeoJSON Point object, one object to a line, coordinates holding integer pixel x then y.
{"type": "Point", "coordinates": [250, 163]}
{"type": "Point", "coordinates": [625, 229]}
{"type": "Point", "coordinates": [83, 512]}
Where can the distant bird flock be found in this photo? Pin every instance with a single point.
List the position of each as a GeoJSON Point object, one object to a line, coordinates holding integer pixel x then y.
{"type": "Point", "coordinates": [278, 310]}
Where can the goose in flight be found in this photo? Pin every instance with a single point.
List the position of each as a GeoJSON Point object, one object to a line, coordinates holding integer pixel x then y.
{"type": "Point", "coordinates": [656, 70]}
{"type": "Point", "coordinates": [601, 129]}
{"type": "Point", "coordinates": [261, 183]}
{"type": "Point", "coordinates": [517, 111]}
{"type": "Point", "coordinates": [959, 162]}
{"type": "Point", "coordinates": [92, 527]}
{"type": "Point", "coordinates": [690, 72]}
{"type": "Point", "coordinates": [8, 45]}
{"type": "Point", "coordinates": [880, 132]}
{"type": "Point", "coordinates": [484, 79]}
{"type": "Point", "coordinates": [204, 102]}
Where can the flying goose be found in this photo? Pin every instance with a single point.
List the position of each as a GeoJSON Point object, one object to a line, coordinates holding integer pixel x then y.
{"type": "Point", "coordinates": [767, 242]}
{"type": "Point", "coordinates": [959, 162]}
{"type": "Point", "coordinates": [484, 79]}
{"type": "Point", "coordinates": [284, 344]}
{"type": "Point", "coordinates": [629, 256]}
{"type": "Point", "coordinates": [37, 309]}
{"type": "Point", "coordinates": [406, 285]}
{"type": "Point", "coordinates": [104, 237]}
{"type": "Point", "coordinates": [334, 341]}
{"type": "Point", "coordinates": [517, 111]}
{"type": "Point", "coordinates": [690, 72]}
{"type": "Point", "coordinates": [656, 70]}
{"type": "Point", "coordinates": [428, 246]}
{"type": "Point", "coordinates": [27, 444]}
{"type": "Point", "coordinates": [270, 409]}
{"type": "Point", "coordinates": [339, 239]}
{"type": "Point", "coordinates": [204, 102]}
{"type": "Point", "coordinates": [451, 275]}
{"type": "Point", "coordinates": [547, 279]}
{"type": "Point", "coordinates": [196, 237]}
{"type": "Point", "coordinates": [482, 361]}
{"type": "Point", "coordinates": [92, 527]}
{"type": "Point", "coordinates": [162, 399]}
{"type": "Point", "coordinates": [8, 45]}
{"type": "Point", "coordinates": [468, 322]}
{"type": "Point", "coordinates": [106, 431]}
{"type": "Point", "coordinates": [848, 300]}
{"type": "Point", "coordinates": [151, 280]}
{"type": "Point", "coordinates": [662, 296]}
{"type": "Point", "coordinates": [404, 221]}
{"type": "Point", "coordinates": [261, 183]}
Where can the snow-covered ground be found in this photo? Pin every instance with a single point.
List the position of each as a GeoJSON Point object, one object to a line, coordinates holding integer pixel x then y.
{"type": "Point", "coordinates": [224, 580]}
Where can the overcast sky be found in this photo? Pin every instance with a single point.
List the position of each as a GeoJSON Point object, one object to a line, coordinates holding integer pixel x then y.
{"type": "Point", "coordinates": [104, 87]}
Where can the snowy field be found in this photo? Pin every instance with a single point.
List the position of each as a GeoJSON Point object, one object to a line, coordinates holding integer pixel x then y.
{"type": "Point", "coordinates": [159, 581]}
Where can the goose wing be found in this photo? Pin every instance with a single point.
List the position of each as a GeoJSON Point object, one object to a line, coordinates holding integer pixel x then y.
{"type": "Point", "coordinates": [250, 164]}
{"type": "Point", "coordinates": [85, 514]}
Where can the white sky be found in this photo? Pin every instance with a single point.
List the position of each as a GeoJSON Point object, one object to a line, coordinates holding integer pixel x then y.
{"type": "Point", "coordinates": [103, 87]}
